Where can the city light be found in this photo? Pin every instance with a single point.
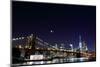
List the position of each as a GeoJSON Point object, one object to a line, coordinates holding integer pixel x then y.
{"type": "Point", "coordinates": [46, 33]}
{"type": "Point", "coordinates": [13, 39]}
{"type": "Point", "coordinates": [22, 37]}
{"type": "Point", "coordinates": [52, 51]}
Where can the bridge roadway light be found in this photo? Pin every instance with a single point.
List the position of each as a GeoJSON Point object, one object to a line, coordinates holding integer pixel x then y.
{"type": "Point", "coordinates": [16, 38]}
{"type": "Point", "coordinates": [13, 39]}
{"type": "Point", "coordinates": [48, 48]}
{"type": "Point", "coordinates": [19, 38]}
{"type": "Point", "coordinates": [22, 37]}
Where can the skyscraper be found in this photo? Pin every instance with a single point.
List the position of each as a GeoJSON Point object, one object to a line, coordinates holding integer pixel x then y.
{"type": "Point", "coordinates": [85, 48]}
{"type": "Point", "coordinates": [80, 44]}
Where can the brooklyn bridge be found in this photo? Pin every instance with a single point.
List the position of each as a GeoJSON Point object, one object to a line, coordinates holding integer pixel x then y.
{"type": "Point", "coordinates": [32, 49]}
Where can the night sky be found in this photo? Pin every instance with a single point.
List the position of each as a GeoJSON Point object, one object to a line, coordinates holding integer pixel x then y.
{"type": "Point", "coordinates": [55, 23]}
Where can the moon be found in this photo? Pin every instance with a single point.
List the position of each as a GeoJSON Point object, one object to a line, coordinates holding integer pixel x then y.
{"type": "Point", "coordinates": [51, 31]}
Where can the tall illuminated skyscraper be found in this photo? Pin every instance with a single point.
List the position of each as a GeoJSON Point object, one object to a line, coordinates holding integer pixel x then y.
{"type": "Point", "coordinates": [80, 44]}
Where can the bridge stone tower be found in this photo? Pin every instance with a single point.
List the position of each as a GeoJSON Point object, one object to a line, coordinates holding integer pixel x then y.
{"type": "Point", "coordinates": [31, 43]}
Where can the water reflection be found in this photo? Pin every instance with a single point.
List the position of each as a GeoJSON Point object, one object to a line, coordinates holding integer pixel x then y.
{"type": "Point", "coordinates": [60, 60]}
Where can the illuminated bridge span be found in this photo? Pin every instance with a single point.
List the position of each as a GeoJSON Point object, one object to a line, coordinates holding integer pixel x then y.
{"type": "Point", "coordinates": [33, 45]}
{"type": "Point", "coordinates": [30, 42]}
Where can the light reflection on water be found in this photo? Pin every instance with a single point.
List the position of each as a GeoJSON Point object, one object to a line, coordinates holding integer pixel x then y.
{"type": "Point", "coordinates": [65, 60]}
